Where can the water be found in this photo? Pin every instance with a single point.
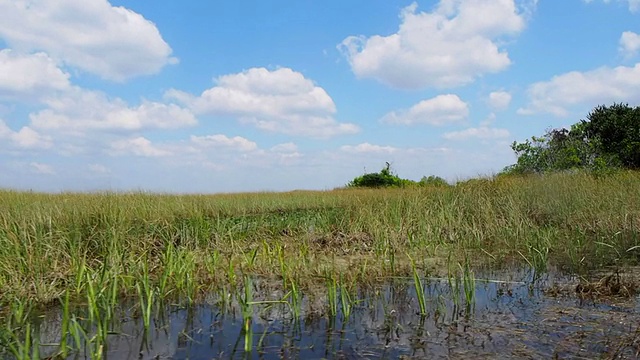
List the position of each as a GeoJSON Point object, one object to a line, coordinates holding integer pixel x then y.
{"type": "Point", "coordinates": [510, 317]}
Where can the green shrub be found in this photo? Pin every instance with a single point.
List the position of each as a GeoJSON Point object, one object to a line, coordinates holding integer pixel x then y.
{"type": "Point", "coordinates": [433, 181]}
{"type": "Point", "coordinates": [385, 178]}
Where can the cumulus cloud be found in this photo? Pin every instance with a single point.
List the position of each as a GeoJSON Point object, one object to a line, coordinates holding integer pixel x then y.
{"type": "Point", "coordinates": [138, 146]}
{"type": "Point", "coordinates": [221, 141]}
{"type": "Point", "coordinates": [29, 76]}
{"type": "Point", "coordinates": [281, 101]}
{"type": "Point", "coordinates": [629, 44]}
{"type": "Point", "coordinates": [451, 46]}
{"type": "Point", "coordinates": [438, 111]}
{"type": "Point", "coordinates": [79, 110]}
{"type": "Point", "coordinates": [600, 86]}
{"type": "Point", "coordinates": [483, 133]}
{"type": "Point", "coordinates": [499, 100]}
{"type": "Point", "coordinates": [25, 138]}
{"type": "Point", "coordinates": [110, 41]}
{"type": "Point", "coordinates": [368, 148]}
{"type": "Point", "coordinates": [40, 168]}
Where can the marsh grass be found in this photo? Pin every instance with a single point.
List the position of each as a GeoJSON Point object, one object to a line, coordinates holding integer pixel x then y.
{"type": "Point", "coordinates": [332, 295]}
{"type": "Point", "coordinates": [98, 247]}
{"type": "Point", "coordinates": [420, 290]}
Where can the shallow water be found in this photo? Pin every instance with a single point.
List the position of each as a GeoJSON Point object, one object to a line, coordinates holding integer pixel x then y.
{"type": "Point", "coordinates": [510, 317]}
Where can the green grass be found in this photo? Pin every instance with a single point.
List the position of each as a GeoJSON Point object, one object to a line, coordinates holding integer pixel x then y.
{"type": "Point", "coordinates": [183, 246]}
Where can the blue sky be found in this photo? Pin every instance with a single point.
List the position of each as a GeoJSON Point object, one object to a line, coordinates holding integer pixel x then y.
{"type": "Point", "coordinates": [226, 96]}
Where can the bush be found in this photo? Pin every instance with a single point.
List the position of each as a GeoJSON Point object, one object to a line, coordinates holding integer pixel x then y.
{"type": "Point", "coordinates": [385, 178]}
{"type": "Point", "coordinates": [433, 181]}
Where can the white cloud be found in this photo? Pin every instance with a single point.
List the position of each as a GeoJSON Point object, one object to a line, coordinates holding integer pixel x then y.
{"type": "Point", "coordinates": [368, 148]}
{"type": "Point", "coordinates": [634, 5]}
{"type": "Point", "coordinates": [490, 119]}
{"type": "Point", "coordinates": [451, 46]}
{"type": "Point", "coordinates": [629, 44]}
{"type": "Point", "coordinates": [79, 110]}
{"type": "Point", "coordinates": [138, 146]}
{"type": "Point", "coordinates": [221, 141]}
{"type": "Point", "coordinates": [27, 76]}
{"type": "Point", "coordinates": [40, 168]}
{"type": "Point", "coordinates": [287, 153]}
{"type": "Point", "coordinates": [110, 41]}
{"type": "Point", "coordinates": [440, 110]}
{"type": "Point", "coordinates": [99, 169]}
{"type": "Point", "coordinates": [25, 138]}
{"type": "Point", "coordinates": [483, 132]}
{"type": "Point", "coordinates": [600, 86]}
{"type": "Point", "coordinates": [499, 100]}
{"type": "Point", "coordinates": [281, 101]}
{"type": "Point", "coordinates": [285, 148]}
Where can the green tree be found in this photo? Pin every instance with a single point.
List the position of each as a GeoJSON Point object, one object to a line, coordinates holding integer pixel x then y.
{"type": "Point", "coordinates": [609, 138]}
{"type": "Point", "coordinates": [614, 133]}
{"type": "Point", "coordinates": [557, 149]}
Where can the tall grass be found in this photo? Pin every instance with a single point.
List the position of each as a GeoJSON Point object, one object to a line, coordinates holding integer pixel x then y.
{"type": "Point", "coordinates": [53, 244]}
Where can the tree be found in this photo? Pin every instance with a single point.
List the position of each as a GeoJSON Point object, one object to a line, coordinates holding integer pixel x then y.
{"type": "Point", "coordinates": [557, 149]}
{"type": "Point", "coordinates": [614, 132]}
{"type": "Point", "coordinates": [609, 138]}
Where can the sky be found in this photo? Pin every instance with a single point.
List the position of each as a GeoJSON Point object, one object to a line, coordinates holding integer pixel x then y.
{"type": "Point", "coordinates": [233, 96]}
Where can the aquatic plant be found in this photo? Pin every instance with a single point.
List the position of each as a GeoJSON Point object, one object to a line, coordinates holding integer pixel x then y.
{"type": "Point", "coordinates": [332, 295]}
{"type": "Point", "coordinates": [420, 291]}
{"type": "Point", "coordinates": [146, 294]}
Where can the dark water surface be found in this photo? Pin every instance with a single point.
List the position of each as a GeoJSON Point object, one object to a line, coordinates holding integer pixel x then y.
{"type": "Point", "coordinates": [509, 318]}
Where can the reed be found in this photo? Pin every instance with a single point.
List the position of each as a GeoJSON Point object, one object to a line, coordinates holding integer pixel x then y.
{"type": "Point", "coordinates": [469, 286]}
{"type": "Point", "coordinates": [346, 299]}
{"type": "Point", "coordinates": [332, 295]}
{"type": "Point", "coordinates": [420, 290]}
{"type": "Point", "coordinates": [64, 327]}
{"type": "Point", "coordinates": [146, 295]}
{"type": "Point", "coordinates": [246, 304]}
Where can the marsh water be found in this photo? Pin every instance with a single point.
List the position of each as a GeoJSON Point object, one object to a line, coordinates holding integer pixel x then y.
{"type": "Point", "coordinates": [510, 316]}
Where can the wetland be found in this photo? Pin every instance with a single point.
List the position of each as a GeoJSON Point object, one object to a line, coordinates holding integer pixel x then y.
{"type": "Point", "coordinates": [521, 266]}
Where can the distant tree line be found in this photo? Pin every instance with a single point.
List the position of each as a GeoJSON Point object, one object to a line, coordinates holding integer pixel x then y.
{"type": "Point", "coordinates": [608, 139]}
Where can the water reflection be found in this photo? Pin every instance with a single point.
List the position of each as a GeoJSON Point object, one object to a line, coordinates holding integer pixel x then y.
{"type": "Point", "coordinates": [509, 317]}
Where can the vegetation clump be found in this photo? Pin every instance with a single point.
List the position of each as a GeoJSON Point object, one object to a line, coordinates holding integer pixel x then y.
{"type": "Point", "coordinates": [433, 180]}
{"type": "Point", "coordinates": [385, 178]}
{"type": "Point", "coordinates": [608, 139]}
